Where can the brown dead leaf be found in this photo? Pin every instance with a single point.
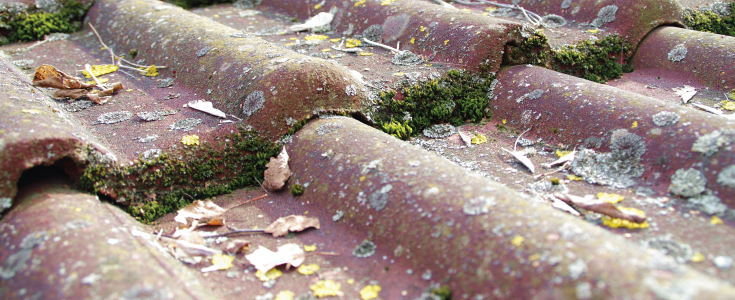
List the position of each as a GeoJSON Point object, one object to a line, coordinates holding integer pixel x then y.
{"type": "Point", "coordinates": [71, 93]}
{"type": "Point", "coordinates": [264, 259]}
{"type": "Point", "coordinates": [599, 206]}
{"type": "Point", "coordinates": [283, 225]}
{"type": "Point", "coordinates": [278, 172]}
{"type": "Point", "coordinates": [199, 209]}
{"type": "Point", "coordinates": [49, 76]}
{"type": "Point", "coordinates": [212, 222]}
{"type": "Point", "coordinates": [238, 246]}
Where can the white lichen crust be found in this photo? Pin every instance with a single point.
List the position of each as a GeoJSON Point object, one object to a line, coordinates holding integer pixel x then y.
{"type": "Point", "coordinates": [687, 183]}
{"type": "Point", "coordinates": [678, 53]}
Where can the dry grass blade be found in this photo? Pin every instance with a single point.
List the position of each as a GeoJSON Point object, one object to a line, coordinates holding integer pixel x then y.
{"type": "Point", "coordinates": [600, 206]}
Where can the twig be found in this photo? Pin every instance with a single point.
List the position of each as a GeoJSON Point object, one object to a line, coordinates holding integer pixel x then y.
{"type": "Point", "coordinates": [380, 45]}
{"type": "Point", "coordinates": [339, 48]}
{"type": "Point", "coordinates": [532, 21]}
{"type": "Point", "coordinates": [89, 70]}
{"type": "Point", "coordinates": [233, 232]}
{"type": "Point", "coordinates": [36, 44]}
{"type": "Point", "coordinates": [234, 116]}
{"type": "Point", "coordinates": [261, 185]}
{"type": "Point", "coordinates": [251, 200]}
{"type": "Point", "coordinates": [519, 137]}
{"type": "Point", "coordinates": [112, 54]}
{"type": "Point", "coordinates": [190, 197]}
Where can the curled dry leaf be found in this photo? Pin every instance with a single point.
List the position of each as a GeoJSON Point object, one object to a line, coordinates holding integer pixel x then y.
{"type": "Point", "coordinates": [283, 225]}
{"type": "Point", "coordinates": [563, 206]}
{"type": "Point", "coordinates": [686, 93]}
{"type": "Point", "coordinates": [520, 156]}
{"type": "Point", "coordinates": [600, 206]}
{"type": "Point", "coordinates": [199, 209]}
{"type": "Point", "coordinates": [207, 107]}
{"type": "Point", "coordinates": [49, 76]}
{"type": "Point", "coordinates": [237, 246]}
{"type": "Point", "coordinates": [278, 172]}
{"type": "Point", "coordinates": [561, 160]}
{"type": "Point", "coordinates": [264, 259]}
{"type": "Point", "coordinates": [321, 19]}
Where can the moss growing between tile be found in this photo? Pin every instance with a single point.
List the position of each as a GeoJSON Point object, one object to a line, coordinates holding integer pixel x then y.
{"type": "Point", "coordinates": [26, 26]}
{"type": "Point", "coordinates": [153, 187]}
{"type": "Point", "coordinates": [297, 189]}
{"type": "Point", "coordinates": [597, 61]}
{"type": "Point", "coordinates": [716, 18]}
{"type": "Point", "coordinates": [534, 49]}
{"type": "Point", "coordinates": [455, 98]}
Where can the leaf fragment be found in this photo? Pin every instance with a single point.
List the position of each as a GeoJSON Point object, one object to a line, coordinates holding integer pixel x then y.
{"type": "Point", "coordinates": [48, 76]}
{"type": "Point", "coordinates": [199, 209]}
{"type": "Point", "coordinates": [219, 262]}
{"type": "Point", "coordinates": [564, 156]}
{"type": "Point", "coordinates": [321, 19]}
{"type": "Point", "coordinates": [278, 171]}
{"type": "Point", "coordinates": [285, 295]}
{"type": "Point", "coordinates": [207, 107]}
{"type": "Point", "coordinates": [520, 156]}
{"type": "Point", "coordinates": [603, 207]}
{"type": "Point", "coordinates": [264, 259]}
{"type": "Point", "coordinates": [99, 70]}
{"type": "Point", "coordinates": [283, 225]}
{"type": "Point", "coordinates": [686, 93]}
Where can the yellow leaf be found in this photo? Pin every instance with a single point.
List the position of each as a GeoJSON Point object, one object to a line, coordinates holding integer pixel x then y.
{"type": "Point", "coordinates": [387, 2]}
{"type": "Point", "coordinates": [697, 257]}
{"type": "Point", "coordinates": [351, 281]}
{"type": "Point", "coordinates": [270, 275]}
{"type": "Point", "coordinates": [309, 248]}
{"type": "Point", "coordinates": [610, 198]}
{"type": "Point", "coordinates": [294, 39]}
{"type": "Point", "coordinates": [289, 44]}
{"type": "Point", "coordinates": [635, 124]}
{"type": "Point", "coordinates": [370, 292]}
{"type": "Point", "coordinates": [323, 288]}
{"type": "Point", "coordinates": [366, 54]}
{"type": "Point", "coordinates": [423, 28]}
{"type": "Point", "coordinates": [308, 269]}
{"type": "Point", "coordinates": [326, 50]}
{"type": "Point", "coordinates": [224, 261]}
{"type": "Point", "coordinates": [594, 30]}
{"type": "Point", "coordinates": [716, 220]}
{"type": "Point", "coordinates": [316, 37]}
{"type": "Point", "coordinates": [398, 74]}
{"type": "Point", "coordinates": [489, 8]}
{"type": "Point", "coordinates": [560, 153]}
{"type": "Point", "coordinates": [478, 138]}
{"type": "Point", "coordinates": [362, 178]}
{"type": "Point", "coordinates": [190, 140]}
{"type": "Point", "coordinates": [285, 295]}
{"type": "Point", "coordinates": [352, 43]}
{"type": "Point", "coordinates": [574, 177]}
{"type": "Point", "coordinates": [31, 111]}
{"type": "Point", "coordinates": [98, 70]}
{"type": "Point", "coordinates": [517, 240]}
{"type": "Point", "coordinates": [615, 222]}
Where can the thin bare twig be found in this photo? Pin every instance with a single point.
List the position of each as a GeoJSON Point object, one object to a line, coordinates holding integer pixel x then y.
{"type": "Point", "coordinates": [233, 232]}
{"type": "Point", "coordinates": [89, 70]}
{"type": "Point", "coordinates": [246, 202]}
{"type": "Point", "coordinates": [380, 45]}
{"type": "Point", "coordinates": [261, 185]}
{"type": "Point", "coordinates": [519, 137]}
{"type": "Point", "coordinates": [112, 54]}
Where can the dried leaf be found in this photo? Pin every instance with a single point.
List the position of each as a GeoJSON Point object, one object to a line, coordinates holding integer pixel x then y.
{"type": "Point", "coordinates": [238, 246]}
{"type": "Point", "coordinates": [321, 19]}
{"type": "Point", "coordinates": [199, 209]}
{"type": "Point", "coordinates": [565, 158]}
{"type": "Point", "coordinates": [283, 225]}
{"type": "Point", "coordinates": [49, 76]}
{"type": "Point", "coordinates": [212, 222]}
{"type": "Point", "coordinates": [195, 249]}
{"type": "Point", "coordinates": [601, 206]}
{"type": "Point", "coordinates": [520, 156]}
{"type": "Point", "coordinates": [563, 206]}
{"type": "Point", "coordinates": [207, 107]}
{"type": "Point", "coordinates": [264, 259]}
{"type": "Point", "coordinates": [71, 93]}
{"type": "Point", "coordinates": [686, 93]}
{"type": "Point", "coordinates": [108, 92]}
{"type": "Point", "coordinates": [278, 172]}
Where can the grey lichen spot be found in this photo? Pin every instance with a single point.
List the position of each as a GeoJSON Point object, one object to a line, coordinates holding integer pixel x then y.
{"type": "Point", "coordinates": [491, 89]}
{"type": "Point", "coordinates": [681, 252]}
{"type": "Point", "coordinates": [553, 21]}
{"type": "Point", "coordinates": [77, 224]}
{"type": "Point", "coordinates": [605, 15]}
{"type": "Point", "coordinates": [91, 279]}
{"type": "Point", "coordinates": [374, 33]}
{"type": "Point", "coordinates": [166, 82]}
{"type": "Point", "coordinates": [351, 90]}
{"type": "Point", "coordinates": [723, 262]}
{"type": "Point", "coordinates": [185, 124]}
{"type": "Point", "coordinates": [151, 154]}
{"type": "Point", "coordinates": [577, 268]}
{"type": "Point", "coordinates": [566, 4]}
{"type": "Point", "coordinates": [709, 144]}
{"type": "Point", "coordinates": [628, 145]}
{"type": "Point", "coordinates": [546, 187]}
{"type": "Point", "coordinates": [379, 199]}
{"type": "Point", "coordinates": [16, 262]}
{"type": "Point", "coordinates": [5, 203]}
{"type": "Point", "coordinates": [203, 51]}
{"type": "Point", "coordinates": [246, 4]}
{"type": "Point", "coordinates": [592, 142]}
{"type": "Point", "coordinates": [285, 140]}
{"type": "Point", "coordinates": [709, 204]}
{"type": "Point", "coordinates": [77, 105]}
{"type": "Point", "coordinates": [148, 138]}
{"type": "Point", "coordinates": [426, 275]}
{"type": "Point", "coordinates": [24, 64]}
{"type": "Point", "coordinates": [665, 118]}
{"type": "Point", "coordinates": [533, 95]}
{"type": "Point", "coordinates": [687, 183]}
{"type": "Point", "coordinates": [406, 58]}
{"type": "Point", "coordinates": [617, 168]}
{"type": "Point", "coordinates": [328, 128]}
{"type": "Point", "coordinates": [149, 116]}
{"type": "Point", "coordinates": [253, 103]}
{"type": "Point", "coordinates": [338, 215]}
{"type": "Point", "coordinates": [584, 290]}
{"type": "Point", "coordinates": [365, 249]}
{"type": "Point", "coordinates": [439, 131]}
{"type": "Point", "coordinates": [114, 117]}
{"type": "Point", "coordinates": [478, 205]}
{"type": "Point", "coordinates": [727, 176]}
{"type": "Point", "coordinates": [678, 53]}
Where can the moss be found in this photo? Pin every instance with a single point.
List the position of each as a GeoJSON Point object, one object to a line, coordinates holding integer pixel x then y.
{"type": "Point", "coordinates": [597, 61]}
{"type": "Point", "coordinates": [133, 53]}
{"type": "Point", "coordinates": [455, 98]}
{"type": "Point", "coordinates": [151, 188]}
{"type": "Point", "coordinates": [708, 21]}
{"type": "Point", "coordinates": [34, 26]}
{"type": "Point", "coordinates": [534, 49]}
{"type": "Point", "coordinates": [297, 189]}
{"type": "Point", "coordinates": [443, 292]}
{"type": "Point", "coordinates": [554, 180]}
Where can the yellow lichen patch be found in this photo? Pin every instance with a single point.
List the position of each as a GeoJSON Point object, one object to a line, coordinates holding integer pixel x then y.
{"type": "Point", "coordinates": [352, 43]}
{"type": "Point", "coordinates": [366, 53]}
{"type": "Point", "coordinates": [413, 40]}
{"type": "Point", "coordinates": [728, 105]}
{"type": "Point", "coordinates": [335, 40]}
{"type": "Point", "coordinates": [326, 50]}
{"type": "Point", "coordinates": [31, 111]}
{"type": "Point", "coordinates": [308, 269]}
{"type": "Point", "coordinates": [289, 44]}
{"type": "Point", "coordinates": [489, 8]}
{"type": "Point", "coordinates": [505, 121]}
{"type": "Point", "coordinates": [223, 261]}
{"type": "Point", "coordinates": [422, 28]}
{"type": "Point", "coordinates": [697, 257]}
{"type": "Point", "coordinates": [270, 275]}
{"type": "Point", "coordinates": [560, 153]}
{"type": "Point", "coordinates": [101, 80]}
{"type": "Point", "coordinates": [316, 37]}
{"type": "Point", "coordinates": [610, 198]}
{"type": "Point", "coordinates": [294, 39]}
{"type": "Point", "coordinates": [534, 257]}
{"type": "Point", "coordinates": [517, 240]}
{"type": "Point", "coordinates": [323, 288]}
{"type": "Point", "coordinates": [150, 71]}
{"type": "Point", "coordinates": [716, 220]}
{"type": "Point", "coordinates": [98, 70]}
{"type": "Point", "coordinates": [616, 223]}
{"type": "Point", "coordinates": [635, 124]}
{"type": "Point", "coordinates": [309, 248]}
{"type": "Point", "coordinates": [351, 280]}
{"type": "Point", "coordinates": [370, 292]}
{"type": "Point", "coordinates": [574, 177]}
{"type": "Point", "coordinates": [285, 295]}
{"type": "Point", "coordinates": [318, 6]}
{"type": "Point", "coordinates": [362, 178]}
{"type": "Point", "coordinates": [466, 10]}
{"type": "Point", "coordinates": [398, 74]}
{"type": "Point", "coordinates": [387, 2]}
{"type": "Point", "coordinates": [361, 2]}
{"type": "Point", "coordinates": [446, 42]}
{"type": "Point", "coordinates": [478, 138]}
{"type": "Point", "coordinates": [190, 140]}
{"type": "Point", "coordinates": [594, 30]}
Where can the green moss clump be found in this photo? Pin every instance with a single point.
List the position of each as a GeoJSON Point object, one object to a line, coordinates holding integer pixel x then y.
{"type": "Point", "coordinates": [133, 53]}
{"type": "Point", "coordinates": [555, 181]}
{"type": "Point", "coordinates": [443, 292]}
{"type": "Point", "coordinates": [297, 189]}
{"type": "Point", "coordinates": [153, 187]}
{"type": "Point", "coordinates": [28, 27]}
{"type": "Point", "coordinates": [455, 98]}
{"type": "Point", "coordinates": [534, 49]}
{"type": "Point", "coordinates": [597, 61]}
{"type": "Point", "coordinates": [708, 21]}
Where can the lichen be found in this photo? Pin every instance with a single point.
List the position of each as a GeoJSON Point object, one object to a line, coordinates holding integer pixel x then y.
{"type": "Point", "coordinates": [185, 124]}
{"type": "Point", "coordinates": [114, 117]}
{"type": "Point", "coordinates": [439, 131]}
{"type": "Point", "coordinates": [553, 21]}
{"type": "Point", "coordinates": [253, 103]}
{"type": "Point", "coordinates": [328, 128]}
{"type": "Point", "coordinates": [709, 204]}
{"type": "Point", "coordinates": [617, 223]}
{"type": "Point", "coordinates": [710, 143]}
{"type": "Point", "coordinates": [681, 252]}
{"type": "Point", "coordinates": [365, 249]}
{"type": "Point", "coordinates": [678, 53]}
{"type": "Point", "coordinates": [716, 18]}
{"type": "Point", "coordinates": [379, 199]}
{"type": "Point", "coordinates": [406, 58]}
{"type": "Point", "coordinates": [665, 118]}
{"type": "Point", "coordinates": [617, 168]}
{"type": "Point", "coordinates": [726, 177]}
{"type": "Point", "coordinates": [605, 15]}
{"type": "Point", "coordinates": [687, 183]}
{"type": "Point", "coordinates": [478, 205]}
